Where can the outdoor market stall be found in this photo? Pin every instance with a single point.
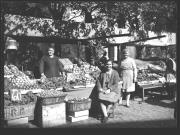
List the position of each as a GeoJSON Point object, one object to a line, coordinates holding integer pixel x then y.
{"type": "Point", "coordinates": [147, 79]}
{"type": "Point", "coordinates": [22, 93]}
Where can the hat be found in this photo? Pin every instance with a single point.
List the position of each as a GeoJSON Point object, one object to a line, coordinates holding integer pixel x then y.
{"type": "Point", "coordinates": [125, 52]}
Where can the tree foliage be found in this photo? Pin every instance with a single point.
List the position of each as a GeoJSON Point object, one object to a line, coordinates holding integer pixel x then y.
{"type": "Point", "coordinates": [139, 16]}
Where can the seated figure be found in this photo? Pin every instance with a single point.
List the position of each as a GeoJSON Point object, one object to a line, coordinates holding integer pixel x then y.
{"type": "Point", "coordinates": [107, 89]}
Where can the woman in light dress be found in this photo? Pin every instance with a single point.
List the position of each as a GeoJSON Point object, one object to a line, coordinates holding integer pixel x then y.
{"type": "Point", "coordinates": [128, 73]}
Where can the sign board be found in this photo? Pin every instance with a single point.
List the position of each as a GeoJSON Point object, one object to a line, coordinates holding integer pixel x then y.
{"type": "Point", "coordinates": [15, 95]}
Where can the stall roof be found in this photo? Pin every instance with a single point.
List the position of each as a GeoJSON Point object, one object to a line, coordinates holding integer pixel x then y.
{"type": "Point", "coordinates": [169, 39]}
{"type": "Point", "coordinates": [133, 43]}
{"type": "Point", "coordinates": [57, 39]}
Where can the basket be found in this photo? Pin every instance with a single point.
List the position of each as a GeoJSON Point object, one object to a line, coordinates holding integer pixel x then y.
{"type": "Point", "coordinates": [19, 111]}
{"type": "Point", "coordinates": [51, 100]}
{"type": "Point", "coordinates": [78, 105]}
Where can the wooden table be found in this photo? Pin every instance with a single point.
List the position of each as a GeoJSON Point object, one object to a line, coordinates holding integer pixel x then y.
{"type": "Point", "coordinates": [144, 87]}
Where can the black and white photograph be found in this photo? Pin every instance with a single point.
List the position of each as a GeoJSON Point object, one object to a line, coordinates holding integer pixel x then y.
{"type": "Point", "coordinates": [89, 64]}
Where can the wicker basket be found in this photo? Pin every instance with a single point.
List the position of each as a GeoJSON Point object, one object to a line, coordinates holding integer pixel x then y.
{"type": "Point", "coordinates": [19, 111]}
{"type": "Point", "coordinates": [51, 100]}
{"type": "Point", "coordinates": [78, 105]}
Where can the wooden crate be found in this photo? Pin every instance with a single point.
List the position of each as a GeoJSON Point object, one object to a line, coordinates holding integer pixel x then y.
{"type": "Point", "coordinates": [51, 100]}
{"type": "Point", "coordinates": [20, 122]}
{"type": "Point", "coordinates": [19, 111]}
{"type": "Point", "coordinates": [50, 115]}
{"type": "Point", "coordinates": [76, 119]}
{"type": "Point", "coordinates": [79, 113]}
{"type": "Point", "coordinates": [78, 105]}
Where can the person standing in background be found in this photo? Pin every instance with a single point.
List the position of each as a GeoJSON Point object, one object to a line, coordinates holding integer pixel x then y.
{"type": "Point", "coordinates": [171, 86]}
{"type": "Point", "coordinates": [102, 61]}
{"type": "Point", "coordinates": [128, 73]}
{"type": "Point", "coordinates": [50, 65]}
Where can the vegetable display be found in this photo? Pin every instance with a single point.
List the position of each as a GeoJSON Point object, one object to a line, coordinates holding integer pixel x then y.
{"type": "Point", "coordinates": [52, 83]}
{"type": "Point", "coordinates": [18, 80]}
{"type": "Point", "coordinates": [51, 93]}
{"type": "Point", "coordinates": [146, 75]}
{"type": "Point", "coordinates": [79, 100]}
{"type": "Point", "coordinates": [25, 99]}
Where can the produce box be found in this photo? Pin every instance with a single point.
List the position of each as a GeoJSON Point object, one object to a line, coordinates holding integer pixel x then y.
{"type": "Point", "coordinates": [23, 122]}
{"type": "Point", "coordinates": [74, 106]}
{"type": "Point", "coordinates": [19, 111]}
{"type": "Point", "coordinates": [49, 97]}
{"type": "Point", "coordinates": [66, 63]}
{"type": "Point", "coordinates": [50, 115]}
{"type": "Point", "coordinates": [75, 119]}
{"type": "Point", "coordinates": [70, 77]}
{"type": "Point", "coordinates": [51, 100]}
{"type": "Point", "coordinates": [79, 113]}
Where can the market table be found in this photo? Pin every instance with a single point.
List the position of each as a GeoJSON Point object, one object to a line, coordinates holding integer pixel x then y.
{"type": "Point", "coordinates": [144, 87]}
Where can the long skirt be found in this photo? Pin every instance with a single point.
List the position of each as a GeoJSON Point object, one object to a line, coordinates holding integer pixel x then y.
{"type": "Point", "coordinates": [128, 84]}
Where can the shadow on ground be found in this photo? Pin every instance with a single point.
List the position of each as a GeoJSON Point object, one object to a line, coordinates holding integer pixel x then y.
{"type": "Point", "coordinates": [160, 101]}
{"type": "Point", "coordinates": [169, 123]}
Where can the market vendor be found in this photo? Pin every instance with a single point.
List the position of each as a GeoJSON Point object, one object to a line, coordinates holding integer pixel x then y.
{"type": "Point", "coordinates": [170, 66]}
{"type": "Point", "coordinates": [50, 65]}
{"type": "Point", "coordinates": [170, 76]}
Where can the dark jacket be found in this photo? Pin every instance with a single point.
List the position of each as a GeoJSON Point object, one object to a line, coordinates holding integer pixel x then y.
{"type": "Point", "coordinates": [113, 81]}
{"type": "Point", "coordinates": [50, 66]}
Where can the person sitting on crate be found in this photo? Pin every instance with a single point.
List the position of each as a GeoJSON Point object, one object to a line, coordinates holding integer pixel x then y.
{"type": "Point", "coordinates": [107, 89]}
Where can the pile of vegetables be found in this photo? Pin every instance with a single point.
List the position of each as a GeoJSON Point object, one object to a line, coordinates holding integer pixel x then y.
{"type": "Point", "coordinates": [51, 93]}
{"type": "Point", "coordinates": [146, 75]}
{"type": "Point", "coordinates": [18, 80]}
{"type": "Point", "coordinates": [52, 83]}
{"type": "Point", "coordinates": [29, 97]}
{"type": "Point", "coordinates": [74, 100]}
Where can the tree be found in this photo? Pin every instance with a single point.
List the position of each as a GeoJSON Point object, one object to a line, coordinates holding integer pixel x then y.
{"type": "Point", "coordinates": [138, 16]}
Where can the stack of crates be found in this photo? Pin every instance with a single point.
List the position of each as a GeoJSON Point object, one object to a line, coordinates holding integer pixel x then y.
{"type": "Point", "coordinates": [78, 110]}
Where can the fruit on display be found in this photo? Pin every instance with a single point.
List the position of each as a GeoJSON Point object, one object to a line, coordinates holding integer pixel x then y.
{"type": "Point", "coordinates": [7, 71]}
{"type": "Point", "coordinates": [146, 75]}
{"type": "Point", "coordinates": [84, 74]}
{"type": "Point", "coordinates": [95, 74]}
{"type": "Point", "coordinates": [8, 85]}
{"type": "Point", "coordinates": [52, 83]}
{"type": "Point", "coordinates": [51, 93]}
{"type": "Point", "coordinates": [19, 80]}
{"type": "Point", "coordinates": [25, 99]}
{"type": "Point", "coordinates": [79, 100]}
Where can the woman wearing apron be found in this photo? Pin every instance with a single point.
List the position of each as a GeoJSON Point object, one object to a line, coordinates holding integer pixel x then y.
{"type": "Point", "coordinates": [128, 73]}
